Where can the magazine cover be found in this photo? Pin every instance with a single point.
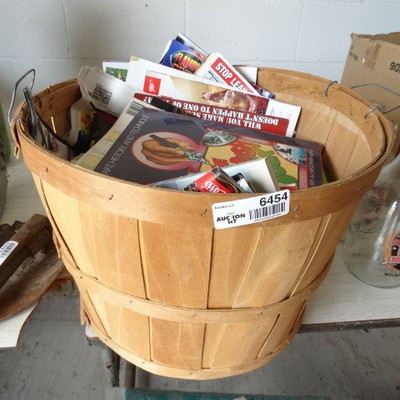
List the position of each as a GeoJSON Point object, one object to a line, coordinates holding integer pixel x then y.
{"type": "Point", "coordinates": [178, 88]}
{"type": "Point", "coordinates": [181, 57]}
{"type": "Point", "coordinates": [180, 37]}
{"type": "Point", "coordinates": [265, 123]}
{"type": "Point", "coordinates": [218, 69]}
{"type": "Point", "coordinates": [158, 145]}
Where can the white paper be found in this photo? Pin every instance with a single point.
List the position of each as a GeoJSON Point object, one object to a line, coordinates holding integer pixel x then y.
{"type": "Point", "coordinates": [11, 327]}
{"type": "Point", "coordinates": [107, 93]}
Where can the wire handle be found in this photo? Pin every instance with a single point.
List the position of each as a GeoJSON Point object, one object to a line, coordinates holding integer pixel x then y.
{"type": "Point", "coordinates": [11, 120]}
{"type": "Point", "coordinates": [381, 87]}
{"type": "Point", "coordinates": [376, 107]}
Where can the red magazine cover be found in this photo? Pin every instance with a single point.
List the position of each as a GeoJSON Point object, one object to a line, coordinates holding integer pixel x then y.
{"type": "Point", "coordinates": [218, 69]}
{"type": "Point", "coordinates": [242, 118]}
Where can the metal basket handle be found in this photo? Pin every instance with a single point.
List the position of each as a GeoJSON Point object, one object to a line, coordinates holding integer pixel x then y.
{"type": "Point", "coordinates": [369, 84]}
{"type": "Point", "coordinates": [10, 110]}
{"type": "Point", "coordinates": [380, 87]}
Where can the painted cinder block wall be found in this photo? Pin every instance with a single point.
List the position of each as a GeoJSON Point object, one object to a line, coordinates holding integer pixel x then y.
{"type": "Point", "coordinates": [57, 37]}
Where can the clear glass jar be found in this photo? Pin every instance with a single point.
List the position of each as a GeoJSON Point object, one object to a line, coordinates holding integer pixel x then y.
{"type": "Point", "coordinates": [371, 246]}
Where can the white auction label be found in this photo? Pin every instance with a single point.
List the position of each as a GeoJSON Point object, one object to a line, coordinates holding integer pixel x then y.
{"type": "Point", "coordinates": [7, 249]}
{"type": "Point", "coordinates": [253, 209]}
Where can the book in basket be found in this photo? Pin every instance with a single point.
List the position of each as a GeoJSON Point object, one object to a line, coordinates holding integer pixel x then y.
{"type": "Point", "coordinates": [157, 145]}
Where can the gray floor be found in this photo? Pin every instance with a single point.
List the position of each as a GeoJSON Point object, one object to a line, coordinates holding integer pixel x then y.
{"type": "Point", "coordinates": [53, 360]}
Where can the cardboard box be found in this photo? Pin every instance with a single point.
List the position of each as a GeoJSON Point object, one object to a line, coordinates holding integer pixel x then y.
{"type": "Point", "coordinates": [376, 59]}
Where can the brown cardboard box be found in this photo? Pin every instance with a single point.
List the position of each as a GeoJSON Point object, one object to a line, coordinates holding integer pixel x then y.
{"type": "Point", "coordinates": [376, 59]}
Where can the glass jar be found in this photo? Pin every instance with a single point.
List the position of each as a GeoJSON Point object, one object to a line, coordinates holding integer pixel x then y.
{"type": "Point", "coordinates": [371, 246]}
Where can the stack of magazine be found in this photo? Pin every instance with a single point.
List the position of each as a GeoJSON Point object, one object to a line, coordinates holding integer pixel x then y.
{"type": "Point", "coordinates": [191, 121]}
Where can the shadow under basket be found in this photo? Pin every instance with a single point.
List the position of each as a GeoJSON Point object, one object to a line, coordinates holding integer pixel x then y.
{"type": "Point", "coordinates": [163, 288]}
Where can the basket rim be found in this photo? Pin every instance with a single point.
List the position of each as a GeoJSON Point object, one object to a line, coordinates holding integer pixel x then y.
{"type": "Point", "coordinates": [356, 184]}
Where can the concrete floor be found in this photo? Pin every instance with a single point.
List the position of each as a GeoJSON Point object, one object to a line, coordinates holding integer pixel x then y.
{"type": "Point", "coordinates": [53, 360]}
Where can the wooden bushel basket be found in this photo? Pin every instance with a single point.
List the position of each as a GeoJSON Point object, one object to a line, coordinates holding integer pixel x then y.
{"type": "Point", "coordinates": [167, 291]}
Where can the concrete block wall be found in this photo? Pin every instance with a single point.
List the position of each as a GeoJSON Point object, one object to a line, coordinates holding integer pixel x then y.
{"type": "Point", "coordinates": [57, 37]}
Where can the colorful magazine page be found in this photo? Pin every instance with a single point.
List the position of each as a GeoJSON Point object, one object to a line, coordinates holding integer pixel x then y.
{"type": "Point", "coordinates": [181, 57]}
{"type": "Point", "coordinates": [265, 123]}
{"type": "Point", "coordinates": [159, 84]}
{"type": "Point", "coordinates": [189, 43]}
{"type": "Point", "coordinates": [138, 68]}
{"type": "Point", "coordinates": [251, 73]}
{"type": "Point", "coordinates": [117, 69]}
{"type": "Point", "coordinates": [218, 69]}
{"type": "Point", "coordinates": [258, 173]}
{"type": "Point", "coordinates": [158, 145]}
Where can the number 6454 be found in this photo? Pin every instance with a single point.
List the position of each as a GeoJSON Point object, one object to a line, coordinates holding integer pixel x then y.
{"type": "Point", "coordinates": [274, 198]}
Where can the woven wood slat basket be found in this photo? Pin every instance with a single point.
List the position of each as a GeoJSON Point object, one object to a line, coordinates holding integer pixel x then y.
{"type": "Point", "coordinates": [167, 291]}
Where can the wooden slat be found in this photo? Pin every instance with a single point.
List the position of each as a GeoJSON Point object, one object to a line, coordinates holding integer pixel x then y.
{"type": "Point", "coordinates": [282, 330]}
{"type": "Point", "coordinates": [351, 107]}
{"type": "Point", "coordinates": [259, 281]}
{"type": "Point", "coordinates": [315, 123]}
{"type": "Point", "coordinates": [65, 211]}
{"type": "Point", "coordinates": [277, 261]}
{"type": "Point", "coordinates": [123, 326]}
{"type": "Point", "coordinates": [176, 263]}
{"type": "Point", "coordinates": [360, 153]}
{"type": "Point", "coordinates": [245, 338]}
{"type": "Point", "coordinates": [333, 164]}
{"type": "Point", "coordinates": [231, 260]}
{"type": "Point", "coordinates": [177, 344]}
{"type": "Point", "coordinates": [128, 328]}
{"type": "Point", "coordinates": [113, 242]}
{"type": "Point", "coordinates": [333, 231]}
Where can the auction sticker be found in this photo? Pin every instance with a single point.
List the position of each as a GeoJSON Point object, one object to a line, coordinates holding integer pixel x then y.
{"type": "Point", "coordinates": [251, 210]}
{"type": "Point", "coordinates": [7, 249]}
